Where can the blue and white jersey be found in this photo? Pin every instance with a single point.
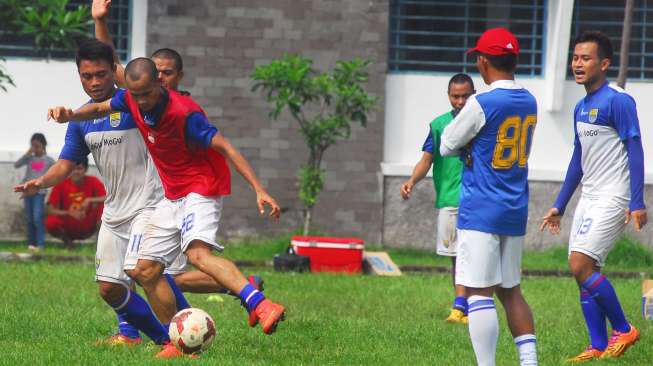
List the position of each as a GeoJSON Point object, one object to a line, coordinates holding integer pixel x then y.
{"type": "Point", "coordinates": [127, 170]}
{"type": "Point", "coordinates": [604, 119]}
{"type": "Point", "coordinates": [494, 133]}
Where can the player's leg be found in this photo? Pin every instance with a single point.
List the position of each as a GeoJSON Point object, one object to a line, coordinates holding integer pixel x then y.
{"type": "Point", "coordinates": [29, 219]}
{"type": "Point", "coordinates": [446, 246]}
{"type": "Point", "coordinates": [38, 207]}
{"type": "Point", "coordinates": [199, 229]}
{"type": "Point", "coordinates": [154, 244]}
{"type": "Point", "coordinates": [114, 288]}
{"type": "Point", "coordinates": [595, 318]}
{"type": "Point", "coordinates": [601, 225]}
{"type": "Point", "coordinates": [149, 275]}
{"type": "Point", "coordinates": [479, 270]}
{"type": "Point", "coordinates": [518, 313]}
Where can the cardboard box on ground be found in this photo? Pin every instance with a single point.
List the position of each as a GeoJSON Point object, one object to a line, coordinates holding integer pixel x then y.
{"type": "Point", "coordinates": [379, 263]}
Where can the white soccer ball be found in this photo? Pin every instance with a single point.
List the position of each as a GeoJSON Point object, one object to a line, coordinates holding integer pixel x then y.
{"type": "Point", "coordinates": [192, 330]}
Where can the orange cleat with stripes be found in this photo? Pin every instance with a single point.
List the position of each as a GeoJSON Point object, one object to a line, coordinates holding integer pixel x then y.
{"type": "Point", "coordinates": [268, 314]}
{"type": "Point", "coordinates": [588, 354]}
{"type": "Point", "coordinates": [620, 342]}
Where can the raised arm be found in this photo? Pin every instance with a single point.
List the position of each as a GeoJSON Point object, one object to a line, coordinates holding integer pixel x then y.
{"type": "Point", "coordinates": [99, 12]}
{"type": "Point", "coordinates": [85, 112]}
{"type": "Point", "coordinates": [23, 159]}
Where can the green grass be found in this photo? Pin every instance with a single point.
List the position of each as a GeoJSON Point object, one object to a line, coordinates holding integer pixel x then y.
{"type": "Point", "coordinates": [51, 315]}
{"type": "Point", "coordinates": [627, 256]}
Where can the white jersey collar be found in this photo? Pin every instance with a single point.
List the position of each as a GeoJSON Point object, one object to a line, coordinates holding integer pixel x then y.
{"type": "Point", "coordinates": [505, 84]}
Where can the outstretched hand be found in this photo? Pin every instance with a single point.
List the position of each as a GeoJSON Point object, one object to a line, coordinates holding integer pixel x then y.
{"type": "Point", "coordinates": [100, 9]}
{"type": "Point", "coordinates": [639, 218]}
{"type": "Point", "coordinates": [263, 199]}
{"type": "Point", "coordinates": [29, 188]}
{"type": "Point", "coordinates": [552, 221]}
{"type": "Point", "coordinates": [60, 114]}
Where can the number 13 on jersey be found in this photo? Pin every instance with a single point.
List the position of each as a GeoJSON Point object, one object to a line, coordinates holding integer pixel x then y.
{"type": "Point", "coordinates": [513, 137]}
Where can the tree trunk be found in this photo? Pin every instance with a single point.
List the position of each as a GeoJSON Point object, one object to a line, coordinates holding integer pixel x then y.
{"type": "Point", "coordinates": [307, 220]}
{"type": "Point", "coordinates": [625, 44]}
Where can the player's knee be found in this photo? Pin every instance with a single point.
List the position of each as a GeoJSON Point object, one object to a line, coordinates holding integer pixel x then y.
{"type": "Point", "coordinates": [146, 272]}
{"type": "Point", "coordinates": [580, 270]}
{"type": "Point", "coordinates": [197, 255]}
{"type": "Point", "coordinates": [111, 292]}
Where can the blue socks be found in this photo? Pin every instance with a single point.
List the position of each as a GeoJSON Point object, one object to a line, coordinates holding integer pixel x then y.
{"type": "Point", "coordinates": [125, 328]}
{"type": "Point", "coordinates": [136, 311]}
{"type": "Point", "coordinates": [251, 297]}
{"type": "Point", "coordinates": [460, 303]}
{"type": "Point", "coordinates": [601, 290]}
{"type": "Point", "coordinates": [595, 320]}
{"type": "Point", "coordinates": [182, 303]}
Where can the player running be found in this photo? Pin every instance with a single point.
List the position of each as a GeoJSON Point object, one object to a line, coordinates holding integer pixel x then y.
{"type": "Point", "coordinates": [446, 181]}
{"type": "Point", "coordinates": [188, 153]}
{"type": "Point", "coordinates": [608, 160]}
{"type": "Point", "coordinates": [494, 133]}
{"type": "Point", "coordinates": [170, 67]}
{"type": "Point", "coordinates": [133, 189]}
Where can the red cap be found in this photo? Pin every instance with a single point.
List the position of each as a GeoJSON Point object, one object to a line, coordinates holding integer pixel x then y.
{"type": "Point", "coordinates": [496, 42]}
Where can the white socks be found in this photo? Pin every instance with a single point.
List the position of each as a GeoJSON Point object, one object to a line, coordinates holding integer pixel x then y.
{"type": "Point", "coordinates": [526, 348]}
{"type": "Point", "coordinates": [484, 329]}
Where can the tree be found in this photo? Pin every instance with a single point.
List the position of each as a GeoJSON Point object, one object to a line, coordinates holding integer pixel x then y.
{"type": "Point", "coordinates": [324, 104]}
{"type": "Point", "coordinates": [52, 24]}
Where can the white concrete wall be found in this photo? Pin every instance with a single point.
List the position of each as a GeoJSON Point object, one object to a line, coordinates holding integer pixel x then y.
{"type": "Point", "coordinates": [413, 100]}
{"type": "Point", "coordinates": [39, 85]}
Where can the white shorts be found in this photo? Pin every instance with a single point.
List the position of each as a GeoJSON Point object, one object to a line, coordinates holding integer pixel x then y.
{"type": "Point", "coordinates": [178, 266]}
{"type": "Point", "coordinates": [485, 260]}
{"type": "Point", "coordinates": [175, 224]}
{"type": "Point", "coordinates": [446, 235]}
{"type": "Point", "coordinates": [596, 227]}
{"type": "Point", "coordinates": [117, 248]}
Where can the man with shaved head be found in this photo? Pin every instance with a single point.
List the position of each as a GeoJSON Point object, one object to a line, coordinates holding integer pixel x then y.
{"type": "Point", "coordinates": [189, 154]}
{"type": "Point", "coordinates": [169, 65]}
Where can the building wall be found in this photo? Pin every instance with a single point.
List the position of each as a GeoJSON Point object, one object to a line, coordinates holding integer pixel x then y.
{"type": "Point", "coordinates": [412, 223]}
{"type": "Point", "coordinates": [221, 43]}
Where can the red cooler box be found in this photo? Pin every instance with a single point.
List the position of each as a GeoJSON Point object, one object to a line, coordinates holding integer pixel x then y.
{"type": "Point", "coordinates": [331, 254]}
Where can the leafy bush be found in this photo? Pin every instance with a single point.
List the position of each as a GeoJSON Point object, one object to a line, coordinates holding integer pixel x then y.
{"type": "Point", "coordinates": [324, 105]}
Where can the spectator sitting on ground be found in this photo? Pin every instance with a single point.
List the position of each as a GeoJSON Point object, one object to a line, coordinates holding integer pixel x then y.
{"type": "Point", "coordinates": [75, 206]}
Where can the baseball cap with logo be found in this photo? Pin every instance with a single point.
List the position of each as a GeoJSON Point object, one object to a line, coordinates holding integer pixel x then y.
{"type": "Point", "coordinates": [496, 42]}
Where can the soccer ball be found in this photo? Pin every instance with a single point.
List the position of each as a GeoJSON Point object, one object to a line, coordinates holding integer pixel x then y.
{"type": "Point", "coordinates": [192, 330]}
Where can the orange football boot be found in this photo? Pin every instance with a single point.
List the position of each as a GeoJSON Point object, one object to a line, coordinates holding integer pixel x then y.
{"type": "Point", "coordinates": [268, 314]}
{"type": "Point", "coordinates": [620, 342]}
{"type": "Point", "coordinates": [119, 339]}
{"type": "Point", "coordinates": [588, 354]}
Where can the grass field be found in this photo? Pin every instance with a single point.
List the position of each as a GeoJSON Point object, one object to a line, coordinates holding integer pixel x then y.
{"type": "Point", "coordinates": [52, 315]}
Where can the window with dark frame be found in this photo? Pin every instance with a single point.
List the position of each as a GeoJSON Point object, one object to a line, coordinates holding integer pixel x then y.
{"type": "Point", "coordinates": [433, 35]}
{"type": "Point", "coordinates": [119, 21]}
{"type": "Point", "coordinates": [608, 16]}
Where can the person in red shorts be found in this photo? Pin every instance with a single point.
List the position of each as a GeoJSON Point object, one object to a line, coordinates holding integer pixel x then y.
{"type": "Point", "coordinates": [75, 206]}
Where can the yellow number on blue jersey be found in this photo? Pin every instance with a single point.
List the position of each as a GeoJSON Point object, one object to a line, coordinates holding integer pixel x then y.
{"type": "Point", "coordinates": [513, 135]}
